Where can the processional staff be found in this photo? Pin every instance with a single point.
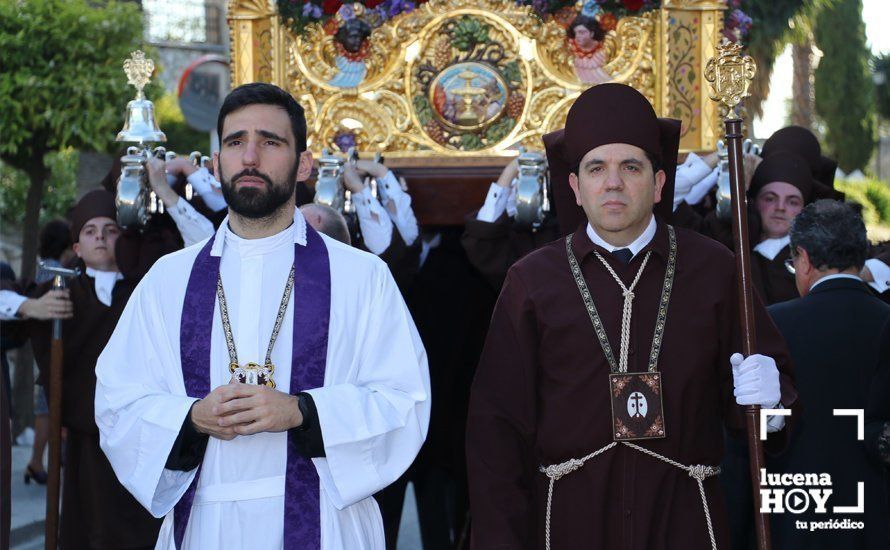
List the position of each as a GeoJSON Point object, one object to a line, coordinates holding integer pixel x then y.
{"type": "Point", "coordinates": [53, 485]}
{"type": "Point", "coordinates": [730, 74]}
{"type": "Point", "coordinates": [5, 465]}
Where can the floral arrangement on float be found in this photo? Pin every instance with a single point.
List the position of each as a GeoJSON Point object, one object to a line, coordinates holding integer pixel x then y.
{"type": "Point", "coordinates": [736, 23]}
{"type": "Point", "coordinates": [607, 12]}
{"type": "Point", "coordinates": [297, 14]}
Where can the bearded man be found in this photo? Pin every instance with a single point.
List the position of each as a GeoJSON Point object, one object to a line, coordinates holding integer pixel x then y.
{"type": "Point", "coordinates": [264, 383]}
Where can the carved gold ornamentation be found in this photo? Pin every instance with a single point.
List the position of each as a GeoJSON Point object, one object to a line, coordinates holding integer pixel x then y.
{"type": "Point", "coordinates": [255, 32]}
{"type": "Point", "coordinates": [138, 70]}
{"type": "Point", "coordinates": [628, 49]}
{"type": "Point", "coordinates": [399, 93]}
{"type": "Point", "coordinates": [694, 4]}
{"type": "Point", "coordinates": [730, 74]}
{"type": "Point", "coordinates": [691, 30]}
{"type": "Point", "coordinates": [315, 56]}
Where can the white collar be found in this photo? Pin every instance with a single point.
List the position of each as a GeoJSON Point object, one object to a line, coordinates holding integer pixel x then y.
{"type": "Point", "coordinates": [97, 274]}
{"type": "Point", "coordinates": [296, 233]}
{"type": "Point", "coordinates": [770, 248]}
{"type": "Point", "coordinates": [835, 276]}
{"type": "Point", "coordinates": [634, 247]}
{"type": "Point", "coordinates": [104, 282]}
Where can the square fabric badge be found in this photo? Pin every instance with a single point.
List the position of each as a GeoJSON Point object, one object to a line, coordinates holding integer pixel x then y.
{"type": "Point", "coordinates": [637, 411]}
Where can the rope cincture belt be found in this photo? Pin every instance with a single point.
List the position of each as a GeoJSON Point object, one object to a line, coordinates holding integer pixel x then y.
{"type": "Point", "coordinates": [698, 471]}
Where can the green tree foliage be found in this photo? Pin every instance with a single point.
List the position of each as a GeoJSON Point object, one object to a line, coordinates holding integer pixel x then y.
{"type": "Point", "coordinates": [61, 187]}
{"type": "Point", "coordinates": [843, 84]}
{"type": "Point", "coordinates": [181, 138]}
{"type": "Point", "coordinates": [882, 67]}
{"type": "Point", "coordinates": [766, 40]}
{"type": "Point", "coordinates": [61, 85]}
{"type": "Point", "coordinates": [873, 195]}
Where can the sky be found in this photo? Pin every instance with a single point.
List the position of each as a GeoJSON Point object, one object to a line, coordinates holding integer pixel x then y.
{"type": "Point", "coordinates": [876, 14]}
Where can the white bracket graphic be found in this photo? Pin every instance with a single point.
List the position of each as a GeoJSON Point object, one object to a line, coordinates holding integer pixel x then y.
{"type": "Point", "coordinates": [860, 502]}
{"type": "Point", "coordinates": [764, 417]}
{"type": "Point", "coordinates": [860, 420]}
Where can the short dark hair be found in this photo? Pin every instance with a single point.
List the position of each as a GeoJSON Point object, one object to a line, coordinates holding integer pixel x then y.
{"type": "Point", "coordinates": [592, 25]}
{"type": "Point", "coordinates": [653, 160]}
{"type": "Point", "coordinates": [832, 233]}
{"type": "Point", "coordinates": [55, 238]}
{"type": "Point", "coordinates": [261, 93]}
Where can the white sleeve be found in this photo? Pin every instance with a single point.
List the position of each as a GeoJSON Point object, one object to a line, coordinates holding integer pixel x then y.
{"type": "Point", "coordinates": [692, 171]}
{"type": "Point", "coordinates": [702, 188]}
{"type": "Point", "coordinates": [495, 204]}
{"type": "Point", "coordinates": [376, 234]}
{"type": "Point", "coordinates": [141, 401]}
{"type": "Point", "coordinates": [204, 184]}
{"type": "Point", "coordinates": [191, 224]}
{"type": "Point", "coordinates": [880, 273]}
{"type": "Point", "coordinates": [10, 302]}
{"type": "Point", "coordinates": [374, 423]}
{"type": "Point", "coordinates": [403, 218]}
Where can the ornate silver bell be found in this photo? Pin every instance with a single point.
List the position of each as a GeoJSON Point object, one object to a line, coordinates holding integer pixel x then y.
{"type": "Point", "coordinates": [140, 125]}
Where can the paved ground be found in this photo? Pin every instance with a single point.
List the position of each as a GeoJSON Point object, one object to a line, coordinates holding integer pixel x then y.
{"type": "Point", "coordinates": [29, 510]}
{"type": "Point", "coordinates": [28, 503]}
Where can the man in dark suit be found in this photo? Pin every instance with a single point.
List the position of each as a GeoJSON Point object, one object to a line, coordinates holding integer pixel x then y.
{"type": "Point", "coordinates": [835, 332]}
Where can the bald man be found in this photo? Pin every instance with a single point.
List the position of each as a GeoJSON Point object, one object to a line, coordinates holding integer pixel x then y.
{"type": "Point", "coordinates": [325, 219]}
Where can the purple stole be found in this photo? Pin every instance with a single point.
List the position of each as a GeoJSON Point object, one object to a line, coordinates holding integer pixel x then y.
{"type": "Point", "coordinates": [312, 303]}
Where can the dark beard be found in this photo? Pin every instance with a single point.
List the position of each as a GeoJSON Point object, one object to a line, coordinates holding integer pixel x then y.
{"type": "Point", "coordinates": [254, 203]}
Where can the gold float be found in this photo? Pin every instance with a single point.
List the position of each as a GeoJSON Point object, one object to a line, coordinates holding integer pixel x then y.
{"type": "Point", "coordinates": [419, 86]}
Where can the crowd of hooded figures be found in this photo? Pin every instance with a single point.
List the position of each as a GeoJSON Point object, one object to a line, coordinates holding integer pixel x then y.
{"type": "Point", "coordinates": [254, 370]}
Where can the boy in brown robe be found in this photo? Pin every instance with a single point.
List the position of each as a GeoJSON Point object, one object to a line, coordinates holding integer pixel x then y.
{"type": "Point", "coordinates": [97, 512]}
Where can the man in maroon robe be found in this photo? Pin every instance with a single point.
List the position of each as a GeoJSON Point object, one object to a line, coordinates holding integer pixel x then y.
{"type": "Point", "coordinates": [552, 463]}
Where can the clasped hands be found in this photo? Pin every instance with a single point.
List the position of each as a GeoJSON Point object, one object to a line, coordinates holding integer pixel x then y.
{"type": "Point", "coordinates": [243, 409]}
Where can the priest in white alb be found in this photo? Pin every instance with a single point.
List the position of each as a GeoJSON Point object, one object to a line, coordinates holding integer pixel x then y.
{"type": "Point", "coordinates": [263, 384]}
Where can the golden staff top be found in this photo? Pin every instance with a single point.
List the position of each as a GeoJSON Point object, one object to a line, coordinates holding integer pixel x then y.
{"type": "Point", "coordinates": [138, 70]}
{"type": "Point", "coordinates": [730, 74]}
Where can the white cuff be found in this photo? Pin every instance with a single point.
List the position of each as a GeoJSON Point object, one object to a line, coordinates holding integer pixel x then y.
{"type": "Point", "coordinates": [389, 190]}
{"type": "Point", "coordinates": [702, 188]}
{"type": "Point", "coordinates": [10, 302]}
{"type": "Point", "coordinates": [880, 272]}
{"type": "Point", "coordinates": [205, 186]}
{"type": "Point", "coordinates": [191, 225]}
{"type": "Point", "coordinates": [511, 198]}
{"type": "Point", "coordinates": [688, 174]}
{"type": "Point", "coordinates": [694, 168]}
{"type": "Point", "coordinates": [495, 204]}
{"type": "Point", "coordinates": [377, 235]}
{"type": "Point", "coordinates": [201, 180]}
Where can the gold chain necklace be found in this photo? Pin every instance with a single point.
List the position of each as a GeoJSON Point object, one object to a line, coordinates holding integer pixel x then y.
{"type": "Point", "coordinates": [253, 373]}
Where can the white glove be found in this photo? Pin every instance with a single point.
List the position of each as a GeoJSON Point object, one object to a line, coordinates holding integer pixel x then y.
{"type": "Point", "coordinates": [756, 380]}
{"type": "Point", "coordinates": [692, 171]}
